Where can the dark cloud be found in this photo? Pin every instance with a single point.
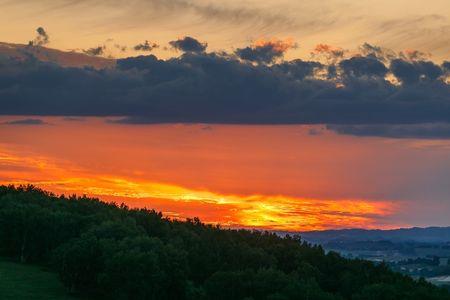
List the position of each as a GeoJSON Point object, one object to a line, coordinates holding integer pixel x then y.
{"type": "Point", "coordinates": [26, 122]}
{"type": "Point", "coordinates": [188, 44]}
{"type": "Point", "coordinates": [422, 131]}
{"type": "Point", "coordinates": [95, 51]}
{"type": "Point", "coordinates": [221, 88]}
{"type": "Point", "coordinates": [41, 39]}
{"type": "Point", "coordinates": [363, 66]}
{"type": "Point", "coordinates": [146, 46]}
{"type": "Point", "coordinates": [446, 66]}
{"type": "Point", "coordinates": [265, 51]}
{"type": "Point", "coordinates": [297, 69]}
{"type": "Point", "coordinates": [416, 71]}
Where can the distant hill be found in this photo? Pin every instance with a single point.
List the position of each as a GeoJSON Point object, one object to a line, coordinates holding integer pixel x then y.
{"type": "Point", "coordinates": [62, 58]}
{"type": "Point", "coordinates": [415, 234]}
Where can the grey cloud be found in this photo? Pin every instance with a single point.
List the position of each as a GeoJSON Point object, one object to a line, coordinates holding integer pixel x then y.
{"type": "Point", "coordinates": [264, 52]}
{"type": "Point", "coordinates": [95, 51]}
{"type": "Point", "coordinates": [422, 131]}
{"type": "Point", "coordinates": [413, 72]}
{"type": "Point", "coordinates": [446, 66]}
{"type": "Point", "coordinates": [188, 44]}
{"type": "Point", "coordinates": [145, 46]}
{"type": "Point", "coordinates": [363, 66]}
{"type": "Point", "coordinates": [297, 69]}
{"type": "Point", "coordinates": [200, 87]}
{"type": "Point", "coordinates": [26, 122]}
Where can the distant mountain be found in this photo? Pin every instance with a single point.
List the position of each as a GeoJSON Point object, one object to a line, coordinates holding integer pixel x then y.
{"type": "Point", "coordinates": [415, 234]}
{"type": "Point", "coordinates": [62, 58]}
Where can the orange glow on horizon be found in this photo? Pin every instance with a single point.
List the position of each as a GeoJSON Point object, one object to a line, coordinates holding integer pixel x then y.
{"type": "Point", "coordinates": [293, 177]}
{"type": "Point", "coordinates": [251, 211]}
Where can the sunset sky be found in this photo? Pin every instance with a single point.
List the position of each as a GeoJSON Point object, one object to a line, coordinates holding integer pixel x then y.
{"type": "Point", "coordinates": [284, 115]}
{"type": "Point", "coordinates": [399, 25]}
{"type": "Point", "coordinates": [283, 177]}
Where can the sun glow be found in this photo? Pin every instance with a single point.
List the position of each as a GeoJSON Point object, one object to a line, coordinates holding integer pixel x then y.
{"type": "Point", "coordinates": [254, 211]}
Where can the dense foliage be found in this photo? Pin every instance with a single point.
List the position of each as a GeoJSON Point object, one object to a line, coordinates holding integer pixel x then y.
{"type": "Point", "coordinates": [105, 251]}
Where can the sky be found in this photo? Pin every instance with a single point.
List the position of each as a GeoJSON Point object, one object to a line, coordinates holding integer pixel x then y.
{"type": "Point", "coordinates": [284, 115]}
{"type": "Point", "coordinates": [400, 24]}
{"type": "Point", "coordinates": [286, 177]}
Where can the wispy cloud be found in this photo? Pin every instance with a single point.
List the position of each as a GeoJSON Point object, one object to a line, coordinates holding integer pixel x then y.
{"type": "Point", "coordinates": [95, 51]}
{"type": "Point", "coordinates": [145, 46]}
{"type": "Point", "coordinates": [412, 131]}
{"type": "Point", "coordinates": [26, 122]}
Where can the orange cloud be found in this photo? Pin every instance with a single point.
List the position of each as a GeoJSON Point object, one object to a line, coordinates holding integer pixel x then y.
{"type": "Point", "coordinates": [278, 45]}
{"type": "Point", "coordinates": [328, 51]}
{"type": "Point", "coordinates": [411, 54]}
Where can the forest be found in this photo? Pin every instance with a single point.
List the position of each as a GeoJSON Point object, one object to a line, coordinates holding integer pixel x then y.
{"type": "Point", "coordinates": [107, 251]}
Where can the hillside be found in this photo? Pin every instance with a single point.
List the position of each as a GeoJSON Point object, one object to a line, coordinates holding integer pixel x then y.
{"type": "Point", "coordinates": [62, 58]}
{"type": "Point", "coordinates": [19, 281]}
{"type": "Point", "coordinates": [106, 251]}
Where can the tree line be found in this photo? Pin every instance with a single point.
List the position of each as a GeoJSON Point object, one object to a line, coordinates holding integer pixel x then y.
{"type": "Point", "coordinates": [106, 251]}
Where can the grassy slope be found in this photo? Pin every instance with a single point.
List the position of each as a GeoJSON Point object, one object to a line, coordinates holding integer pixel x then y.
{"type": "Point", "coordinates": [19, 281]}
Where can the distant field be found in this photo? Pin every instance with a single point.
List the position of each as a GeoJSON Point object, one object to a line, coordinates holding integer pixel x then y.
{"type": "Point", "coordinates": [26, 282]}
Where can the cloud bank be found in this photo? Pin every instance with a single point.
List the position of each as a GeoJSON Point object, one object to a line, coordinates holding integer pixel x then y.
{"type": "Point", "coordinates": [368, 88]}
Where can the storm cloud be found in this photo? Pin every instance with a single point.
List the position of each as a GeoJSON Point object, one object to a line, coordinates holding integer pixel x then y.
{"type": "Point", "coordinates": [201, 87]}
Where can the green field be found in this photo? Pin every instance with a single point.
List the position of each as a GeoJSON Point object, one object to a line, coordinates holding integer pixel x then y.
{"type": "Point", "coordinates": [18, 281]}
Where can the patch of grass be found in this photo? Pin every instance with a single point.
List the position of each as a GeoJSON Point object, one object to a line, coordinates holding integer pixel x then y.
{"type": "Point", "coordinates": [20, 281]}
